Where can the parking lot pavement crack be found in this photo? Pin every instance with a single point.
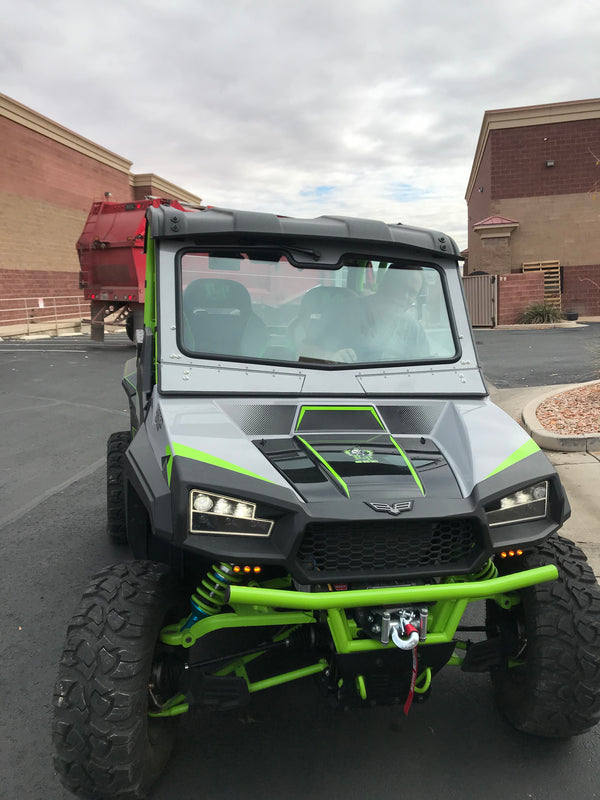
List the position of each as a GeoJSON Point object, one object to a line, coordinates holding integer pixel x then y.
{"type": "Point", "coordinates": [52, 400]}
{"type": "Point", "coordinates": [82, 473]}
{"type": "Point", "coordinates": [47, 404]}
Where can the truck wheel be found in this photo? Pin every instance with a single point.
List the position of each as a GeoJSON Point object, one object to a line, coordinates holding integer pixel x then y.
{"type": "Point", "coordinates": [554, 636]}
{"type": "Point", "coordinates": [115, 485]}
{"type": "Point", "coordinates": [134, 322]}
{"type": "Point", "coordinates": [129, 328]}
{"type": "Point", "coordinates": [106, 745]}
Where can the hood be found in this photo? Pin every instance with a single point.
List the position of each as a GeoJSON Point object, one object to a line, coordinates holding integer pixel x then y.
{"type": "Point", "coordinates": [382, 450]}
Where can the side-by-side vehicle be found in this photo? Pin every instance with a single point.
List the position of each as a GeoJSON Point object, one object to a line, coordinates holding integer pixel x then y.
{"type": "Point", "coordinates": [315, 483]}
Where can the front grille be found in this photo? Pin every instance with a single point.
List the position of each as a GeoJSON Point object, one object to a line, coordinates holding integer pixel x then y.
{"type": "Point", "coordinates": [389, 548]}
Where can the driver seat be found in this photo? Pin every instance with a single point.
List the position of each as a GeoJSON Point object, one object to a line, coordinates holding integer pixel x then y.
{"type": "Point", "coordinates": [218, 318]}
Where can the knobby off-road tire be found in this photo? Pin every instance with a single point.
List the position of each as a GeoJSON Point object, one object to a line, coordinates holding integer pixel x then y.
{"type": "Point", "coordinates": [106, 745]}
{"type": "Point", "coordinates": [115, 485]}
{"type": "Point", "coordinates": [555, 632]}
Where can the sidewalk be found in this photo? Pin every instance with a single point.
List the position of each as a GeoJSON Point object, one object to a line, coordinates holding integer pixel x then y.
{"type": "Point", "coordinates": [579, 472]}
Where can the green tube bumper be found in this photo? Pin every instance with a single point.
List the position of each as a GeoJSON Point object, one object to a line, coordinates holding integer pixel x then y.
{"type": "Point", "coordinates": [394, 595]}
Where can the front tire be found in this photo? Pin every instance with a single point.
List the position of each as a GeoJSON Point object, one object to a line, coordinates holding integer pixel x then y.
{"type": "Point", "coordinates": [106, 745]}
{"type": "Point", "coordinates": [115, 485]}
{"type": "Point", "coordinates": [554, 636]}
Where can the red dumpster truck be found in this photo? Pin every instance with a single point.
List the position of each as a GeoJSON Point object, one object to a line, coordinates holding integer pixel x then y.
{"type": "Point", "coordinates": [113, 263]}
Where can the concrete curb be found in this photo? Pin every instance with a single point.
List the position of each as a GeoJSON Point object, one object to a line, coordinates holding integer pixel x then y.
{"type": "Point", "coordinates": [539, 326]}
{"type": "Point", "coordinates": [555, 441]}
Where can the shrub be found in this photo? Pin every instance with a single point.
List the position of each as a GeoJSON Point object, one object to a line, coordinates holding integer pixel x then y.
{"type": "Point", "coordinates": [537, 313]}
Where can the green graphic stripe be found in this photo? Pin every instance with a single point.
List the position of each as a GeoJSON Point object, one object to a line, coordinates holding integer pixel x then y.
{"type": "Point", "coordinates": [339, 408]}
{"type": "Point", "coordinates": [327, 466]}
{"type": "Point", "coordinates": [527, 449]}
{"type": "Point", "coordinates": [150, 295]}
{"type": "Point", "coordinates": [408, 464]}
{"type": "Point", "coordinates": [197, 455]}
{"type": "Point", "coordinates": [169, 453]}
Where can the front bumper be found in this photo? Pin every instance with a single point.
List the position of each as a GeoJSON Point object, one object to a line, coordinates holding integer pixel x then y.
{"type": "Point", "coordinates": [390, 596]}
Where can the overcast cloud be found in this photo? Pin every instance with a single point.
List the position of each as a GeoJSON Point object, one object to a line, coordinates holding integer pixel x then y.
{"type": "Point", "coordinates": [301, 107]}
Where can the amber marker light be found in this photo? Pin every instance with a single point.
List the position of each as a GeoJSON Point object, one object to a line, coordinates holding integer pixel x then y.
{"type": "Point", "coordinates": [510, 553]}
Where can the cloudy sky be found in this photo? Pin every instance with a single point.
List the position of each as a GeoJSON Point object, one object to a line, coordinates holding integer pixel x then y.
{"type": "Point", "coordinates": [301, 107]}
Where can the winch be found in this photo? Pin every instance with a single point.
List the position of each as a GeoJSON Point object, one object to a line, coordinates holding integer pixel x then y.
{"type": "Point", "coordinates": [406, 627]}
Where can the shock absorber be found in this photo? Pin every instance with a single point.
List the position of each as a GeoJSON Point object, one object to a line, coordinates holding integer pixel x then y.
{"type": "Point", "coordinates": [209, 597]}
{"type": "Point", "coordinates": [488, 572]}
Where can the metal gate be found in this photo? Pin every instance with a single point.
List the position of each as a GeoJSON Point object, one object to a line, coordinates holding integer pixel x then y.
{"type": "Point", "coordinates": [481, 292]}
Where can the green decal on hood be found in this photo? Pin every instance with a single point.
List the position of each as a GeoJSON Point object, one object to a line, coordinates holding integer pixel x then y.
{"type": "Point", "coordinates": [370, 462]}
{"type": "Point", "coordinates": [197, 455]}
{"type": "Point", "coordinates": [327, 466]}
{"type": "Point", "coordinates": [408, 464]}
{"type": "Point", "coordinates": [527, 449]}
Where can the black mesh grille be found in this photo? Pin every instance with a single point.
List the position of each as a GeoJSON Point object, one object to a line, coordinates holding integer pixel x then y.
{"type": "Point", "coordinates": [390, 548]}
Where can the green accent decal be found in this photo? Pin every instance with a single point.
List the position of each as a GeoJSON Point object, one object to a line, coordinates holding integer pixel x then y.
{"type": "Point", "coordinates": [527, 449]}
{"type": "Point", "coordinates": [408, 464]}
{"type": "Point", "coordinates": [327, 466]}
{"type": "Point", "coordinates": [150, 294]}
{"type": "Point", "coordinates": [197, 455]}
{"type": "Point", "coordinates": [169, 453]}
{"type": "Point", "coordinates": [339, 408]}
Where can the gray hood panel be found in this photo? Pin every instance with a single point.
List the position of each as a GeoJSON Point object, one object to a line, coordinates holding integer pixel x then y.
{"type": "Point", "coordinates": [473, 438]}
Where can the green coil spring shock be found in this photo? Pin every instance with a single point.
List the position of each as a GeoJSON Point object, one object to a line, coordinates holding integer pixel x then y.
{"type": "Point", "coordinates": [488, 572]}
{"type": "Point", "coordinates": [209, 597]}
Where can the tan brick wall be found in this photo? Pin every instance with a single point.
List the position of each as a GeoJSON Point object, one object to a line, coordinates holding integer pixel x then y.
{"type": "Point", "coordinates": [494, 255]}
{"type": "Point", "coordinates": [38, 235]}
{"type": "Point", "coordinates": [563, 228]}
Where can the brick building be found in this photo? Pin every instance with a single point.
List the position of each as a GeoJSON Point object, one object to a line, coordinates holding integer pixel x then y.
{"type": "Point", "coordinates": [533, 197]}
{"type": "Point", "coordinates": [49, 177]}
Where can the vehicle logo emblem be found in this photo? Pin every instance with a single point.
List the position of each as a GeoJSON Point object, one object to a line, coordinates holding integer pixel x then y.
{"type": "Point", "coordinates": [392, 508]}
{"type": "Point", "coordinates": [361, 456]}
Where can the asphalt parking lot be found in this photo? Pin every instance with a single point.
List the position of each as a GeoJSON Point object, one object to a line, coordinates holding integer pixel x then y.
{"type": "Point", "coordinates": [59, 400]}
{"type": "Point", "coordinates": [513, 358]}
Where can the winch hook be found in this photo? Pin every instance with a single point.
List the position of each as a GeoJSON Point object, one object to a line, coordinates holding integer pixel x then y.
{"type": "Point", "coordinates": [413, 636]}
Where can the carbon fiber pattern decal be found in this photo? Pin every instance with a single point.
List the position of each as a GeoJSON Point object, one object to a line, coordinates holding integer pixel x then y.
{"type": "Point", "coordinates": [262, 420]}
{"type": "Point", "coordinates": [410, 419]}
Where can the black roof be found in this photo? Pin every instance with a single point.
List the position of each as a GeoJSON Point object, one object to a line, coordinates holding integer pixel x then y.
{"type": "Point", "coordinates": [229, 225]}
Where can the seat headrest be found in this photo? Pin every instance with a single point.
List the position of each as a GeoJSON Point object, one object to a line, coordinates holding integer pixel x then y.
{"type": "Point", "coordinates": [217, 293]}
{"type": "Point", "coordinates": [329, 298]}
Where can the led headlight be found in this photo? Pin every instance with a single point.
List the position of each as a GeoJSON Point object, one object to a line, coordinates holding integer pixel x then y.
{"type": "Point", "coordinates": [523, 505]}
{"type": "Point", "coordinates": [215, 513]}
{"type": "Point", "coordinates": [202, 502]}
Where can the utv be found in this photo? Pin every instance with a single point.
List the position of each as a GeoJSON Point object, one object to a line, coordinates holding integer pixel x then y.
{"type": "Point", "coordinates": [315, 483]}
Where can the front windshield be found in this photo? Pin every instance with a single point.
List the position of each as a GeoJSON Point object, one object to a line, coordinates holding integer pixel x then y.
{"type": "Point", "coordinates": [368, 311]}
